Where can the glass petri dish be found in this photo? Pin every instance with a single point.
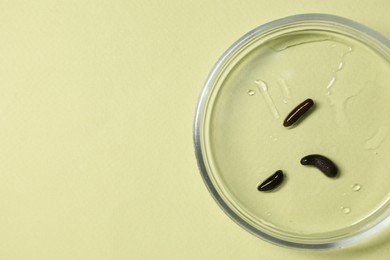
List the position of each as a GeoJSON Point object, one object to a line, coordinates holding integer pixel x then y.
{"type": "Point", "coordinates": [240, 139]}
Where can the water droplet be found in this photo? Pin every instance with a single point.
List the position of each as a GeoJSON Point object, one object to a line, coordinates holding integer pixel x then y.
{"type": "Point", "coordinates": [263, 88]}
{"type": "Point", "coordinates": [288, 42]}
{"type": "Point", "coordinates": [356, 187]}
{"type": "Point", "coordinates": [261, 85]}
{"type": "Point", "coordinates": [286, 92]}
{"type": "Point", "coordinates": [337, 101]}
{"type": "Point", "coordinates": [273, 138]}
{"type": "Point", "coordinates": [341, 64]}
{"type": "Point", "coordinates": [251, 92]}
{"type": "Point", "coordinates": [331, 83]}
{"type": "Point", "coordinates": [268, 214]}
{"type": "Point", "coordinates": [377, 139]}
{"type": "Point", "coordinates": [346, 210]}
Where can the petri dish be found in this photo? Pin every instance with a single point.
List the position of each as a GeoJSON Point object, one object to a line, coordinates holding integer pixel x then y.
{"type": "Point", "coordinates": [240, 139]}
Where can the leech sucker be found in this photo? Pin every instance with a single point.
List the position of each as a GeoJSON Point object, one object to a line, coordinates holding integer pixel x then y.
{"type": "Point", "coordinates": [298, 112]}
{"type": "Point", "coordinates": [322, 163]}
{"type": "Point", "coordinates": [272, 182]}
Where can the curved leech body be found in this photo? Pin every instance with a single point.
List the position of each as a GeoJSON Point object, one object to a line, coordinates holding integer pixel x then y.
{"type": "Point", "coordinates": [322, 163]}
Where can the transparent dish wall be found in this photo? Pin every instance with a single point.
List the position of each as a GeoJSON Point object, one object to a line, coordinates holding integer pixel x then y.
{"type": "Point", "coordinates": [240, 140]}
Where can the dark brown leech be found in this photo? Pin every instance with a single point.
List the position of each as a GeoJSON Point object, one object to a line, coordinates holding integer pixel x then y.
{"type": "Point", "coordinates": [297, 112]}
{"type": "Point", "coordinates": [322, 163]}
{"type": "Point", "coordinates": [271, 182]}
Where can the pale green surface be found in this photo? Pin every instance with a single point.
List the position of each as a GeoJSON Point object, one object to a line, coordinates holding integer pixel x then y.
{"type": "Point", "coordinates": [97, 101]}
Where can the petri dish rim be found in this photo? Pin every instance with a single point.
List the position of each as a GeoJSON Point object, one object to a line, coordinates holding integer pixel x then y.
{"type": "Point", "coordinates": [200, 152]}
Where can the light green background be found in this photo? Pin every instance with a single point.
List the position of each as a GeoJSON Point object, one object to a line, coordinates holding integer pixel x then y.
{"type": "Point", "coordinates": [96, 110]}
